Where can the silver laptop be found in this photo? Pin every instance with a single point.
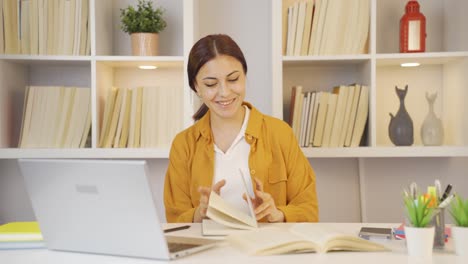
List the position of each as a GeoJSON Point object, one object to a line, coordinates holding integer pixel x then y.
{"type": "Point", "coordinates": [100, 206]}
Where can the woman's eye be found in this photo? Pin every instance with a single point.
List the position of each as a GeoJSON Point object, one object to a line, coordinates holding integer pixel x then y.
{"type": "Point", "coordinates": [210, 84]}
{"type": "Point", "coordinates": [234, 80]}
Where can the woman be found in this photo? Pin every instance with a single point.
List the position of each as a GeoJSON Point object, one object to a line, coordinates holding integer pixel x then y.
{"type": "Point", "coordinates": [231, 135]}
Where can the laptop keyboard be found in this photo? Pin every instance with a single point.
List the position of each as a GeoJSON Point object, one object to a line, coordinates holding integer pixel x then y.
{"type": "Point", "coordinates": [176, 247]}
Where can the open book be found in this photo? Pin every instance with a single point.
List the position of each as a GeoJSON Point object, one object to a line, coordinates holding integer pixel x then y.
{"type": "Point", "coordinates": [300, 238]}
{"type": "Point", "coordinates": [224, 217]}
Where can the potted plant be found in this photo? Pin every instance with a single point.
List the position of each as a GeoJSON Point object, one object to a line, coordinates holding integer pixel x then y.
{"type": "Point", "coordinates": [143, 24]}
{"type": "Point", "coordinates": [459, 212]}
{"type": "Point", "coordinates": [419, 235]}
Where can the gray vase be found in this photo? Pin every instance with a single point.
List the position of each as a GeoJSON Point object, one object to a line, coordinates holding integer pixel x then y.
{"type": "Point", "coordinates": [432, 131]}
{"type": "Point", "coordinates": [400, 129]}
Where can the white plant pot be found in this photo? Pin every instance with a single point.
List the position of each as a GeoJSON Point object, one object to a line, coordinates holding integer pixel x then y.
{"type": "Point", "coordinates": [460, 240]}
{"type": "Point", "coordinates": [419, 241]}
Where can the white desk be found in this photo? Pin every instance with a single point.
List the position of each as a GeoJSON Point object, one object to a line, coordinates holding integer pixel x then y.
{"type": "Point", "coordinates": [225, 254]}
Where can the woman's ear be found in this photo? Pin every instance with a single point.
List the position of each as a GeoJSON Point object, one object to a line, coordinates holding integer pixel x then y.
{"type": "Point", "coordinates": [197, 90]}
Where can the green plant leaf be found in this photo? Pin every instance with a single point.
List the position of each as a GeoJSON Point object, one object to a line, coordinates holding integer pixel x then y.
{"type": "Point", "coordinates": [459, 211]}
{"type": "Point", "coordinates": [143, 19]}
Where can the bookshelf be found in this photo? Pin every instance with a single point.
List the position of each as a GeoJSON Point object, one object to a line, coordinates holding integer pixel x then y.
{"type": "Point", "coordinates": [443, 70]}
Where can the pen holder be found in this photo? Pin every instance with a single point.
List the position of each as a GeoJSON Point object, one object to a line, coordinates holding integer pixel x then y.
{"type": "Point", "coordinates": [439, 233]}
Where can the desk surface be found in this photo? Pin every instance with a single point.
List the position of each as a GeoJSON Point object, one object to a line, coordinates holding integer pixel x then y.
{"type": "Point", "coordinates": [226, 254]}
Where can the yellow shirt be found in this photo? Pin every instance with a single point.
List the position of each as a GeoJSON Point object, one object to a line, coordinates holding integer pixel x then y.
{"type": "Point", "coordinates": [275, 158]}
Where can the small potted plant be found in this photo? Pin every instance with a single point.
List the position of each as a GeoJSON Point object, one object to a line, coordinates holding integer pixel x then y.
{"type": "Point", "coordinates": [459, 212]}
{"type": "Point", "coordinates": [419, 235]}
{"type": "Point", "coordinates": [143, 24]}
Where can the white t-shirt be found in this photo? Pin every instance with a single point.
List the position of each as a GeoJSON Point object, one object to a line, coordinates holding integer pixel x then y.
{"type": "Point", "coordinates": [227, 167]}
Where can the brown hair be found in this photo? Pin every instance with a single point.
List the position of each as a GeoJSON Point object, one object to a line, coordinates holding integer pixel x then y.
{"type": "Point", "coordinates": [206, 49]}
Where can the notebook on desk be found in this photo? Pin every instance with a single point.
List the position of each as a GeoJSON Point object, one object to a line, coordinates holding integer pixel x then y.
{"type": "Point", "coordinates": [100, 206]}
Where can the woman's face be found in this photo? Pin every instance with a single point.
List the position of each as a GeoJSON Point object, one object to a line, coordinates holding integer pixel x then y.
{"type": "Point", "coordinates": [220, 83]}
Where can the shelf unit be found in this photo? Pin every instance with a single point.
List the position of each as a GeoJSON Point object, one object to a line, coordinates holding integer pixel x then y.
{"type": "Point", "coordinates": [444, 69]}
{"type": "Point", "coordinates": [109, 64]}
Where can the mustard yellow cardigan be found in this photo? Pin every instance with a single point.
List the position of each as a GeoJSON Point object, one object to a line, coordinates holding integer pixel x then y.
{"type": "Point", "coordinates": [275, 158]}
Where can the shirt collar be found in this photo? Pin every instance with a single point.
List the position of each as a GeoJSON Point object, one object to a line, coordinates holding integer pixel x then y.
{"type": "Point", "coordinates": [252, 123]}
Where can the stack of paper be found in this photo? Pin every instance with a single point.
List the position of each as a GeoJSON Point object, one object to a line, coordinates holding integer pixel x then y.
{"type": "Point", "coordinates": [16, 235]}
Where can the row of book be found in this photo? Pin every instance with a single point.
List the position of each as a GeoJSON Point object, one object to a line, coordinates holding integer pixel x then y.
{"type": "Point", "coordinates": [325, 27]}
{"type": "Point", "coordinates": [141, 117]}
{"type": "Point", "coordinates": [56, 117]}
{"type": "Point", "coordinates": [44, 27]}
{"type": "Point", "coordinates": [324, 119]}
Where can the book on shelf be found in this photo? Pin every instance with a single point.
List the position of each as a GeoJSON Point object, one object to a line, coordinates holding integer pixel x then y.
{"type": "Point", "coordinates": [300, 238]}
{"type": "Point", "coordinates": [135, 118]}
{"type": "Point", "coordinates": [314, 118]}
{"type": "Point", "coordinates": [330, 119]}
{"type": "Point", "coordinates": [361, 116]}
{"type": "Point", "coordinates": [126, 121]}
{"type": "Point", "coordinates": [20, 235]}
{"type": "Point", "coordinates": [2, 31]}
{"type": "Point", "coordinates": [298, 99]}
{"type": "Point", "coordinates": [107, 116]}
{"type": "Point", "coordinates": [301, 14]}
{"type": "Point", "coordinates": [307, 27]}
{"type": "Point", "coordinates": [24, 27]}
{"type": "Point", "coordinates": [352, 114]}
{"type": "Point", "coordinates": [342, 92]}
{"type": "Point", "coordinates": [55, 117]}
{"type": "Point", "coordinates": [321, 119]}
{"type": "Point", "coordinates": [11, 27]}
{"type": "Point", "coordinates": [113, 120]}
{"type": "Point", "coordinates": [347, 114]}
{"type": "Point", "coordinates": [121, 117]}
{"type": "Point", "coordinates": [325, 27]}
{"type": "Point", "coordinates": [321, 9]}
{"type": "Point", "coordinates": [310, 123]}
{"type": "Point", "coordinates": [292, 28]}
{"type": "Point", "coordinates": [40, 27]}
{"type": "Point", "coordinates": [304, 118]}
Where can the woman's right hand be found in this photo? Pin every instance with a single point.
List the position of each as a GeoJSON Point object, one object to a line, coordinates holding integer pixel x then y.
{"type": "Point", "coordinates": [200, 212]}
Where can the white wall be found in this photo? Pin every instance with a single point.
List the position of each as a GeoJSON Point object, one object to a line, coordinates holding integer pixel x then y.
{"type": "Point", "coordinates": [254, 39]}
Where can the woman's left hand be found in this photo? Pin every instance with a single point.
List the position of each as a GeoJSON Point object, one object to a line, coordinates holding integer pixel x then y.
{"type": "Point", "coordinates": [264, 205]}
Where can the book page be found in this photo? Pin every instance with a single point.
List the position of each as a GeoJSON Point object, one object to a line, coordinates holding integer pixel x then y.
{"type": "Point", "coordinates": [226, 214]}
{"type": "Point", "coordinates": [333, 239]}
{"type": "Point", "coordinates": [270, 241]}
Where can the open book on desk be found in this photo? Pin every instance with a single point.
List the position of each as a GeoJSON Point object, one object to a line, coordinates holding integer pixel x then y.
{"type": "Point", "coordinates": [300, 238]}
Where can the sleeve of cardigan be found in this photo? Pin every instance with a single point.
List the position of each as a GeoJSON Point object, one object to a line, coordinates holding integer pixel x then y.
{"type": "Point", "coordinates": [177, 199]}
{"type": "Point", "coordinates": [301, 194]}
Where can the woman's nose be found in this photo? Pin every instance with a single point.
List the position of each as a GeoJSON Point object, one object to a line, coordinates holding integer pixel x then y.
{"type": "Point", "coordinates": [223, 89]}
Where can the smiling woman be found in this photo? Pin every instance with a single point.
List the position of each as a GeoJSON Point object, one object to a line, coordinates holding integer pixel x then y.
{"type": "Point", "coordinates": [231, 135]}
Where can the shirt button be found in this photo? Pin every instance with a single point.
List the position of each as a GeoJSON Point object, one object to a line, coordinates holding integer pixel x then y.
{"type": "Point", "coordinates": [252, 172]}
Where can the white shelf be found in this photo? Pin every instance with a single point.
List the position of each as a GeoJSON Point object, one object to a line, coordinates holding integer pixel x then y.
{"type": "Point", "coordinates": [163, 153]}
{"type": "Point", "coordinates": [386, 152]}
{"type": "Point", "coordinates": [427, 58]}
{"type": "Point", "coordinates": [85, 153]}
{"type": "Point", "coordinates": [325, 60]}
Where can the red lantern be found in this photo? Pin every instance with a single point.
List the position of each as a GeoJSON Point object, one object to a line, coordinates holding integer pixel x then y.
{"type": "Point", "coordinates": [412, 29]}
